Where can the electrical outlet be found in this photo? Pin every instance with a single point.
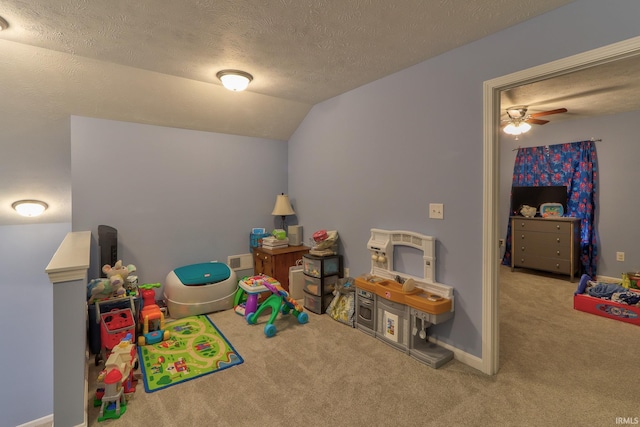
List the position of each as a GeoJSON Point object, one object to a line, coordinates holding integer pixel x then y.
{"type": "Point", "coordinates": [436, 210]}
{"type": "Point", "coordinates": [619, 256]}
{"type": "Point", "coordinates": [500, 243]}
{"type": "Point", "coordinates": [346, 272]}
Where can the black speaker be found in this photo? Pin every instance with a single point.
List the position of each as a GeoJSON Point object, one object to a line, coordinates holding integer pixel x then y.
{"type": "Point", "coordinates": [108, 244]}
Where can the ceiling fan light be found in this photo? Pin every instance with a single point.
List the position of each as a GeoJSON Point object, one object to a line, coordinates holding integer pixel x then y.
{"type": "Point", "coordinates": [234, 80]}
{"type": "Point", "coordinates": [29, 208]}
{"type": "Point", "coordinates": [517, 128]}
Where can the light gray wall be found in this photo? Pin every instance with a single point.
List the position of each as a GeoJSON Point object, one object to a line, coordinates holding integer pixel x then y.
{"type": "Point", "coordinates": [26, 316]}
{"type": "Point", "coordinates": [378, 155]}
{"type": "Point", "coordinates": [618, 179]}
{"type": "Point", "coordinates": [176, 196]}
{"type": "Point", "coordinates": [374, 157]}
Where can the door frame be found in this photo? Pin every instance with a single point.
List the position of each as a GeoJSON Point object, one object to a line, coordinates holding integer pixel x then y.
{"type": "Point", "coordinates": [491, 176]}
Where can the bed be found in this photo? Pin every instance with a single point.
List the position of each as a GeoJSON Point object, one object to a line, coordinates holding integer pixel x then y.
{"type": "Point", "coordinates": [607, 300]}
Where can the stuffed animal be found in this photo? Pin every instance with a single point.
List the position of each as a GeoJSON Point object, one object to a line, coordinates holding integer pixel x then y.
{"type": "Point", "coordinates": [118, 274]}
{"type": "Point", "coordinates": [112, 285]}
{"type": "Point", "coordinates": [98, 289]}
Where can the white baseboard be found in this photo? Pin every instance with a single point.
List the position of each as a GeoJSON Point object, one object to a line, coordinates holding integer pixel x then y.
{"type": "Point", "coordinates": [607, 279]}
{"type": "Point", "coordinates": [460, 355]}
{"type": "Point", "coordinates": [40, 422]}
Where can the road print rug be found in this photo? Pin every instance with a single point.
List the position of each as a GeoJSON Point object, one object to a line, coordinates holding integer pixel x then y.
{"type": "Point", "coordinates": [195, 348]}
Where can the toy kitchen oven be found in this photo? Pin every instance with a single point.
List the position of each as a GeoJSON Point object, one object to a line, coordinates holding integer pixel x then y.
{"type": "Point", "coordinates": [398, 308]}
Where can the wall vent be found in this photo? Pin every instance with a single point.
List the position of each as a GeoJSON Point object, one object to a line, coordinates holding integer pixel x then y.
{"type": "Point", "coordinates": [240, 262]}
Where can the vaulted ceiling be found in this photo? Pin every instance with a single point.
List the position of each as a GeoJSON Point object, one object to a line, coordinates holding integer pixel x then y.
{"type": "Point", "coordinates": [155, 61]}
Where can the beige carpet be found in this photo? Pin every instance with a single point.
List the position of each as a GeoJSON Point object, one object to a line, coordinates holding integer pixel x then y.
{"type": "Point", "coordinates": [559, 366]}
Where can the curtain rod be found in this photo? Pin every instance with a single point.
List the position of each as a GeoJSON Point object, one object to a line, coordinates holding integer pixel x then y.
{"type": "Point", "coordinates": [592, 140]}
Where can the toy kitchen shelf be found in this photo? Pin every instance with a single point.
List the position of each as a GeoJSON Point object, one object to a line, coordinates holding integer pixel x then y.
{"type": "Point", "coordinates": [397, 308]}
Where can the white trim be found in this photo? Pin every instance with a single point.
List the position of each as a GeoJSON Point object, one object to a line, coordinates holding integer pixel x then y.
{"type": "Point", "coordinates": [71, 260]}
{"type": "Point", "coordinates": [40, 422]}
{"type": "Point", "coordinates": [491, 175]}
{"type": "Point", "coordinates": [607, 279]}
{"type": "Point", "coordinates": [460, 355]}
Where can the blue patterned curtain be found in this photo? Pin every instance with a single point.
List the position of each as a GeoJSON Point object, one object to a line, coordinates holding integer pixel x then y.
{"type": "Point", "coordinates": [574, 165]}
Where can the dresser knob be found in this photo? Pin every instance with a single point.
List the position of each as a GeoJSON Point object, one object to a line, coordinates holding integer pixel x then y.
{"type": "Point", "coordinates": [558, 240]}
{"type": "Point", "coordinates": [522, 237]}
{"type": "Point", "coordinates": [522, 248]}
{"type": "Point", "coordinates": [558, 227]}
{"type": "Point", "coordinates": [558, 252]}
{"type": "Point", "coordinates": [557, 265]}
{"type": "Point", "coordinates": [522, 224]}
{"type": "Point", "coordinates": [522, 260]}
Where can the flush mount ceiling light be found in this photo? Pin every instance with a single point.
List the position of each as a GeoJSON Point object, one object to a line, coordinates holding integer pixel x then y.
{"type": "Point", "coordinates": [29, 208]}
{"type": "Point", "coordinates": [3, 24]}
{"type": "Point", "coordinates": [234, 80]}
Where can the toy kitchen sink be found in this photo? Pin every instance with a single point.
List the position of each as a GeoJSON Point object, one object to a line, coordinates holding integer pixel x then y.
{"type": "Point", "coordinates": [397, 308]}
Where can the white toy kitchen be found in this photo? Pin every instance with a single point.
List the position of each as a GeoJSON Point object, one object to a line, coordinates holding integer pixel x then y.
{"type": "Point", "coordinates": [398, 308]}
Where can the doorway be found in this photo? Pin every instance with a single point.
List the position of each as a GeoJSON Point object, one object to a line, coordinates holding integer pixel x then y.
{"type": "Point", "coordinates": [491, 175]}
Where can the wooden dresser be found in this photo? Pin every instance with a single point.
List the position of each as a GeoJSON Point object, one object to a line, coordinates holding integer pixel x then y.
{"type": "Point", "coordinates": [548, 244]}
{"type": "Point", "coordinates": [276, 262]}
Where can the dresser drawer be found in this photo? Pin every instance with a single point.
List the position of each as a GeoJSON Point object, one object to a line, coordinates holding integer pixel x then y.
{"type": "Point", "coordinates": [542, 263]}
{"type": "Point", "coordinates": [551, 244]}
{"type": "Point", "coordinates": [542, 244]}
{"type": "Point", "coordinates": [542, 225]}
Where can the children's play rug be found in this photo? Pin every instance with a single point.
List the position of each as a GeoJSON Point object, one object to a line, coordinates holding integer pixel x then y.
{"type": "Point", "coordinates": [195, 348]}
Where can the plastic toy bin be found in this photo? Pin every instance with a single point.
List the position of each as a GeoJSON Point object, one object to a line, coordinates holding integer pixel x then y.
{"type": "Point", "coordinates": [314, 285]}
{"type": "Point", "coordinates": [317, 304]}
{"type": "Point", "coordinates": [93, 328]}
{"type": "Point", "coordinates": [318, 266]}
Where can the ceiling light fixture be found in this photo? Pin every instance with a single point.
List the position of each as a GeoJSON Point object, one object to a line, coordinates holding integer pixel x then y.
{"type": "Point", "coordinates": [3, 24]}
{"type": "Point", "coordinates": [29, 208]}
{"type": "Point", "coordinates": [234, 80]}
{"type": "Point", "coordinates": [517, 128]}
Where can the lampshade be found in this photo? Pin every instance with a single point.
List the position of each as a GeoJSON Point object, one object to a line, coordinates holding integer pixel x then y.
{"type": "Point", "coordinates": [3, 24]}
{"type": "Point", "coordinates": [517, 128]}
{"type": "Point", "coordinates": [283, 206]}
{"type": "Point", "coordinates": [234, 80]}
{"type": "Point", "coordinates": [29, 208]}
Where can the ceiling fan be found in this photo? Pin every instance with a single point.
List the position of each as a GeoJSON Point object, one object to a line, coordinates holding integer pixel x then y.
{"type": "Point", "coordinates": [520, 122]}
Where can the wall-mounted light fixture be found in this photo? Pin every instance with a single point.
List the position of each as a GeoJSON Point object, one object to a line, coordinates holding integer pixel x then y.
{"type": "Point", "coordinates": [3, 24]}
{"type": "Point", "coordinates": [234, 80]}
{"type": "Point", "coordinates": [29, 208]}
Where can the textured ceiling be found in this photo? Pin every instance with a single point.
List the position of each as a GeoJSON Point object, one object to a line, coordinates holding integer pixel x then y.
{"type": "Point", "coordinates": [154, 62]}
{"type": "Point", "coordinates": [300, 50]}
{"type": "Point", "coordinates": [597, 91]}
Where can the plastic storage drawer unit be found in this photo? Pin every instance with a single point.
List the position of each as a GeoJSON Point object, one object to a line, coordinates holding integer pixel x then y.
{"type": "Point", "coordinates": [316, 304]}
{"type": "Point", "coordinates": [321, 266]}
{"type": "Point", "coordinates": [315, 286]}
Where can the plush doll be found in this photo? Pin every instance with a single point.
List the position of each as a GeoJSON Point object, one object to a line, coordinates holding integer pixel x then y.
{"type": "Point", "coordinates": [118, 274]}
{"type": "Point", "coordinates": [113, 285]}
{"type": "Point", "coordinates": [98, 289]}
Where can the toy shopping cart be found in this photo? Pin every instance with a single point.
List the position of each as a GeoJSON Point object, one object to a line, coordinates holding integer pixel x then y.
{"type": "Point", "coordinates": [114, 326]}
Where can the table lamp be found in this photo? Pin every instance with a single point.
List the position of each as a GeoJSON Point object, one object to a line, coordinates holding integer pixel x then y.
{"type": "Point", "coordinates": [282, 207]}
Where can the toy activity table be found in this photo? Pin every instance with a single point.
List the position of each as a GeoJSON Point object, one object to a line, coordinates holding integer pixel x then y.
{"type": "Point", "coordinates": [278, 301]}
